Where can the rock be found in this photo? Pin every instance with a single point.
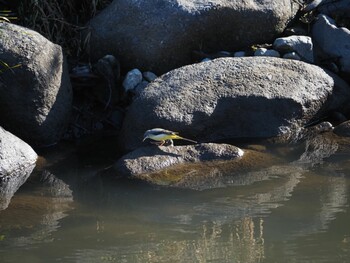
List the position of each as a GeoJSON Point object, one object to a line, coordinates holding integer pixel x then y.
{"type": "Point", "coordinates": [300, 44]}
{"type": "Point", "coordinates": [149, 76]}
{"type": "Point", "coordinates": [266, 52]}
{"type": "Point", "coordinates": [151, 159]}
{"type": "Point", "coordinates": [330, 7]}
{"type": "Point", "coordinates": [219, 172]}
{"type": "Point", "coordinates": [132, 79]}
{"type": "Point", "coordinates": [332, 41]}
{"type": "Point", "coordinates": [17, 161]}
{"type": "Point", "coordinates": [239, 54]}
{"type": "Point", "coordinates": [159, 35]}
{"type": "Point", "coordinates": [228, 98]}
{"type": "Point", "coordinates": [343, 129]}
{"type": "Point", "coordinates": [140, 87]}
{"type": "Point", "coordinates": [35, 94]}
{"type": "Point", "coordinates": [292, 55]}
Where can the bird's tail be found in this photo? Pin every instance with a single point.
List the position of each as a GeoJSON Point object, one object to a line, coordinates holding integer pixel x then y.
{"type": "Point", "coordinates": [182, 138]}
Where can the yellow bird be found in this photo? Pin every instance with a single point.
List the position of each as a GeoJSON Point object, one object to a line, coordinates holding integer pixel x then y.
{"type": "Point", "coordinates": [160, 136]}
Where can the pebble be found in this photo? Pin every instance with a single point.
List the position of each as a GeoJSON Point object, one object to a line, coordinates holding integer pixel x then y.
{"type": "Point", "coordinates": [239, 54]}
{"type": "Point", "coordinates": [292, 55]}
{"type": "Point", "coordinates": [132, 79]}
{"type": "Point", "coordinates": [149, 76]}
{"type": "Point", "coordinates": [266, 52]}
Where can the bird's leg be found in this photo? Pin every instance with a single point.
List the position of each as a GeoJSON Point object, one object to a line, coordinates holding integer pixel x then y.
{"type": "Point", "coordinates": [161, 143]}
{"type": "Point", "coordinates": [171, 142]}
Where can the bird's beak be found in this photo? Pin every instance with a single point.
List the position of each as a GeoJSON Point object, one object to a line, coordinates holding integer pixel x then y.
{"type": "Point", "coordinates": [144, 138]}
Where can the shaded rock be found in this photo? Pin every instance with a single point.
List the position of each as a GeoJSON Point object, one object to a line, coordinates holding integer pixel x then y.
{"type": "Point", "coordinates": [17, 161]}
{"type": "Point", "coordinates": [332, 41]}
{"type": "Point", "coordinates": [292, 55]}
{"type": "Point", "coordinates": [35, 90]}
{"type": "Point", "coordinates": [266, 52]}
{"type": "Point", "coordinates": [149, 76]}
{"type": "Point", "coordinates": [152, 159]}
{"type": "Point", "coordinates": [300, 44]}
{"type": "Point", "coordinates": [343, 129]}
{"type": "Point", "coordinates": [330, 7]}
{"type": "Point", "coordinates": [132, 79]}
{"type": "Point", "coordinates": [159, 35]}
{"type": "Point", "coordinates": [228, 98]}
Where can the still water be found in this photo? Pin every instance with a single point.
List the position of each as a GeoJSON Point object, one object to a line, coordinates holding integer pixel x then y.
{"type": "Point", "coordinates": [289, 214]}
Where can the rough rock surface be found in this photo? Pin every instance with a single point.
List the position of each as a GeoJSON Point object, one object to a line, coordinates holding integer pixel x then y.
{"type": "Point", "coordinates": [152, 159]}
{"type": "Point", "coordinates": [332, 41]}
{"type": "Point", "coordinates": [300, 44]}
{"type": "Point", "coordinates": [159, 35]}
{"type": "Point", "coordinates": [343, 129]}
{"type": "Point", "coordinates": [17, 161]}
{"type": "Point", "coordinates": [35, 90]}
{"type": "Point", "coordinates": [229, 98]}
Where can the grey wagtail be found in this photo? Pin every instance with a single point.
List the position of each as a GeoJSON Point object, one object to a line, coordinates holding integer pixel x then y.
{"type": "Point", "coordinates": [161, 136]}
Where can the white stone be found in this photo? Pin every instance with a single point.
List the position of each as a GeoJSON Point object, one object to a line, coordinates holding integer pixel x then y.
{"type": "Point", "coordinates": [300, 44]}
{"type": "Point", "coordinates": [264, 52]}
{"type": "Point", "coordinates": [132, 79]}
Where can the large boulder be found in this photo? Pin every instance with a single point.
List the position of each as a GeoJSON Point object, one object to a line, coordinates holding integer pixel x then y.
{"type": "Point", "coordinates": [17, 161]}
{"type": "Point", "coordinates": [35, 89]}
{"type": "Point", "coordinates": [230, 98]}
{"type": "Point", "coordinates": [159, 35]}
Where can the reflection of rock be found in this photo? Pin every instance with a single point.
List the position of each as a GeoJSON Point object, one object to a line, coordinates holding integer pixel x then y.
{"type": "Point", "coordinates": [17, 161]}
{"type": "Point", "coordinates": [35, 216]}
{"type": "Point", "coordinates": [324, 146]}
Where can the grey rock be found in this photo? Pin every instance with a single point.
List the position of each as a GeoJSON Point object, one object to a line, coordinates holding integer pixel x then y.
{"type": "Point", "coordinates": [152, 159]}
{"type": "Point", "coordinates": [292, 55]}
{"type": "Point", "coordinates": [330, 7]}
{"type": "Point", "coordinates": [230, 98]}
{"type": "Point", "coordinates": [140, 87]}
{"type": "Point", "coordinates": [159, 35]}
{"type": "Point", "coordinates": [343, 129]}
{"type": "Point", "coordinates": [149, 76]}
{"type": "Point", "coordinates": [132, 79]}
{"type": "Point", "coordinates": [300, 44]}
{"type": "Point", "coordinates": [332, 41]}
{"type": "Point", "coordinates": [35, 96]}
{"type": "Point", "coordinates": [17, 161]}
{"type": "Point", "coordinates": [239, 54]}
{"type": "Point", "coordinates": [266, 52]}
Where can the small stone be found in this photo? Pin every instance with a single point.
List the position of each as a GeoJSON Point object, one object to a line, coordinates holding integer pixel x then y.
{"type": "Point", "coordinates": [300, 44]}
{"type": "Point", "coordinates": [206, 59]}
{"type": "Point", "coordinates": [292, 55]}
{"type": "Point", "coordinates": [132, 79]}
{"type": "Point", "coordinates": [239, 54]}
{"type": "Point", "coordinates": [149, 76]}
{"type": "Point", "coordinates": [343, 129]}
{"type": "Point", "coordinates": [264, 52]}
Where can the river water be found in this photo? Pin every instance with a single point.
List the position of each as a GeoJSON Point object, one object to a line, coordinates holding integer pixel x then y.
{"type": "Point", "coordinates": [283, 213]}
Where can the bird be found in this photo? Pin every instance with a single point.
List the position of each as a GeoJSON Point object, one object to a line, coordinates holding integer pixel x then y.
{"type": "Point", "coordinates": [160, 136]}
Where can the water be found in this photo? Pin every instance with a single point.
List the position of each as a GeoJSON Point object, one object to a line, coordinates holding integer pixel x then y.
{"type": "Point", "coordinates": [291, 214]}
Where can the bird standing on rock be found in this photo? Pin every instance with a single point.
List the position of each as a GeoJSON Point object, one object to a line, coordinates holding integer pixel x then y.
{"type": "Point", "coordinates": [160, 136]}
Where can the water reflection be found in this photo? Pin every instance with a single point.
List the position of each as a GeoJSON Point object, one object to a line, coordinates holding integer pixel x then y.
{"type": "Point", "coordinates": [287, 212]}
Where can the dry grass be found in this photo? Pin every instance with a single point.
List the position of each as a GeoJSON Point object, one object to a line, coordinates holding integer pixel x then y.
{"type": "Point", "coordinates": [61, 21]}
